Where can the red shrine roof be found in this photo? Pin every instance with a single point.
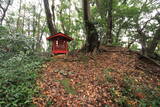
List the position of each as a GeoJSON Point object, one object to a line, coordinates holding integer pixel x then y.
{"type": "Point", "coordinates": [60, 35]}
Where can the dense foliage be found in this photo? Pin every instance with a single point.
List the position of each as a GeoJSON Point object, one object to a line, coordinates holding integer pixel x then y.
{"type": "Point", "coordinates": [18, 70]}
{"type": "Point", "coordinates": [134, 23]}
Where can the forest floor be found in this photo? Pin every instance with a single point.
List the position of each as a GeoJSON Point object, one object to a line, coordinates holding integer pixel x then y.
{"type": "Point", "coordinates": [118, 77]}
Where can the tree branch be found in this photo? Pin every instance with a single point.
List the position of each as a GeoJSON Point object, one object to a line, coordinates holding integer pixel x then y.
{"type": "Point", "coordinates": [4, 11]}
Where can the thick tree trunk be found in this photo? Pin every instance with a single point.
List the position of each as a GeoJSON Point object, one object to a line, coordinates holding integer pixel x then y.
{"type": "Point", "coordinates": [154, 43]}
{"type": "Point", "coordinates": [49, 18]}
{"type": "Point", "coordinates": [142, 37]}
{"type": "Point", "coordinates": [156, 38]}
{"type": "Point", "coordinates": [92, 35]}
{"type": "Point", "coordinates": [110, 24]}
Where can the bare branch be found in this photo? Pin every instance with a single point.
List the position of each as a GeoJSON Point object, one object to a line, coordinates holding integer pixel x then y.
{"type": "Point", "coordinates": [145, 24]}
{"type": "Point", "coordinates": [4, 11]}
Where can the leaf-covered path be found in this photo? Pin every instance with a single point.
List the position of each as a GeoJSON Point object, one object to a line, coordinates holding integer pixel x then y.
{"type": "Point", "coordinates": [110, 78]}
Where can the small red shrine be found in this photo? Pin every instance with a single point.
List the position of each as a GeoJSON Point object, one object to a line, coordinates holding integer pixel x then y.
{"type": "Point", "coordinates": [60, 43]}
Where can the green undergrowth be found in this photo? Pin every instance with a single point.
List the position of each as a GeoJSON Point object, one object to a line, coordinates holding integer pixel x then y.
{"type": "Point", "coordinates": [130, 94]}
{"type": "Point", "coordinates": [17, 79]}
{"type": "Point", "coordinates": [19, 67]}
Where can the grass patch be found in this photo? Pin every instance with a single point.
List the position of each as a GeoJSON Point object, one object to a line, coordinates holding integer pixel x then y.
{"type": "Point", "coordinates": [69, 89]}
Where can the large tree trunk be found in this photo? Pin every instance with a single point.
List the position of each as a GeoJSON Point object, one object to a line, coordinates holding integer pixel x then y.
{"type": "Point", "coordinates": [143, 40]}
{"type": "Point", "coordinates": [154, 43]}
{"type": "Point", "coordinates": [148, 51]}
{"type": "Point", "coordinates": [110, 24]}
{"type": "Point", "coordinates": [156, 38]}
{"type": "Point", "coordinates": [142, 37]}
{"type": "Point", "coordinates": [49, 18]}
{"type": "Point", "coordinates": [92, 35]}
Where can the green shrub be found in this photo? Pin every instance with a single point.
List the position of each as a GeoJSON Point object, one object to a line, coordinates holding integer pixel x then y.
{"type": "Point", "coordinates": [17, 81]}
{"type": "Point", "coordinates": [18, 70]}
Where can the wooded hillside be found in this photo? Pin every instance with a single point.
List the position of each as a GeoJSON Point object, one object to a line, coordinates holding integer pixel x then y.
{"type": "Point", "coordinates": [113, 59]}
